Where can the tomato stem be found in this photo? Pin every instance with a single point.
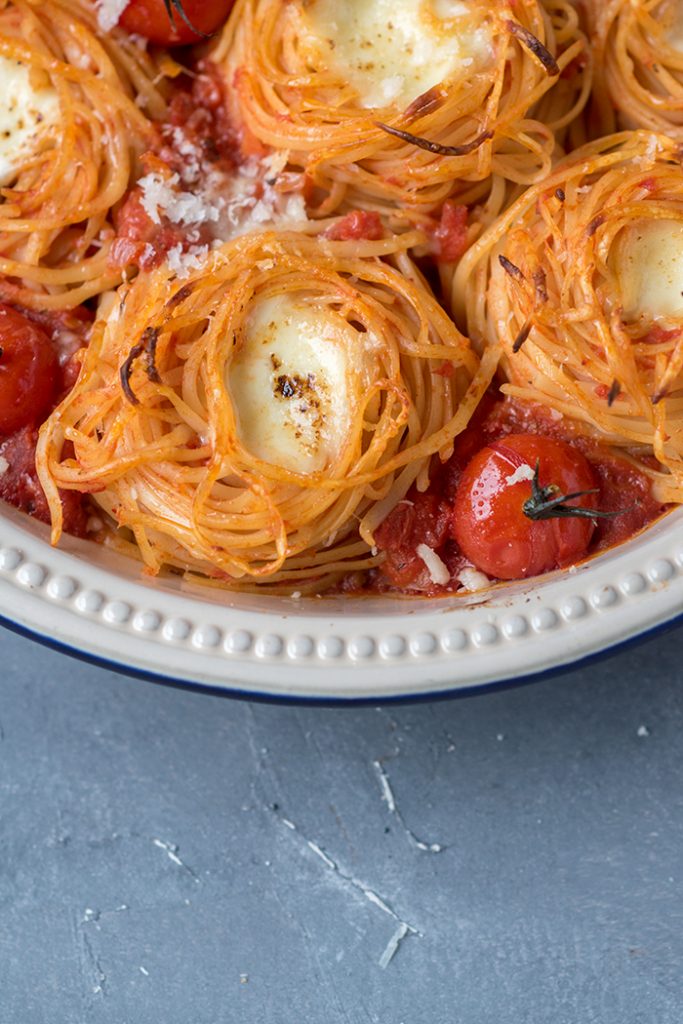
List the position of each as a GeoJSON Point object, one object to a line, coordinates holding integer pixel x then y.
{"type": "Point", "coordinates": [147, 346]}
{"type": "Point", "coordinates": [546, 503]}
{"type": "Point", "coordinates": [174, 7]}
{"type": "Point", "coordinates": [436, 147]}
{"type": "Point", "coordinates": [535, 45]}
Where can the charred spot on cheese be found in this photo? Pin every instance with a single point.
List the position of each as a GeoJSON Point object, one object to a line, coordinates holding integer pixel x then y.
{"type": "Point", "coordinates": [294, 382]}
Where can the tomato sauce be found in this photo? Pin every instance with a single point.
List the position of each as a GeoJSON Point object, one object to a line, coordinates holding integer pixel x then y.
{"type": "Point", "coordinates": [197, 140]}
{"type": "Point", "coordinates": [356, 225]}
{"type": "Point", "coordinates": [450, 237]}
{"type": "Point", "coordinates": [20, 487]}
{"type": "Point", "coordinates": [425, 518]}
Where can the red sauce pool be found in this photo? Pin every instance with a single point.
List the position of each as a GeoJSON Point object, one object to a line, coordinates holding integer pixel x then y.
{"type": "Point", "coordinates": [425, 518]}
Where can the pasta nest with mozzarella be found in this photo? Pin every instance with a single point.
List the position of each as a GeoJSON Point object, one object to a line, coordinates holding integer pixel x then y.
{"type": "Point", "coordinates": [488, 88]}
{"type": "Point", "coordinates": [581, 283]}
{"type": "Point", "coordinates": [639, 65]}
{"type": "Point", "coordinates": [258, 420]}
{"type": "Point", "coordinates": [73, 129]}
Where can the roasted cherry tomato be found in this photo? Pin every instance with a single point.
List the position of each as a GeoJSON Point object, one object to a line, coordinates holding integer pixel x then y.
{"type": "Point", "coordinates": [510, 525]}
{"type": "Point", "coordinates": [176, 23]}
{"type": "Point", "coordinates": [29, 371]}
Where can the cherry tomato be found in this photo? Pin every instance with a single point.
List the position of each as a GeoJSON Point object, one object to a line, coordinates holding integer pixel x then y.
{"type": "Point", "coordinates": [490, 524]}
{"type": "Point", "coordinates": [150, 18]}
{"type": "Point", "coordinates": [29, 371]}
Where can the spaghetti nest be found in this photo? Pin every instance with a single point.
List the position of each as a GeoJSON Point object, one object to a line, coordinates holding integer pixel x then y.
{"type": "Point", "coordinates": [56, 201]}
{"type": "Point", "coordinates": [550, 283]}
{"type": "Point", "coordinates": [496, 113]}
{"type": "Point", "coordinates": [639, 64]}
{"type": "Point", "coordinates": [167, 425]}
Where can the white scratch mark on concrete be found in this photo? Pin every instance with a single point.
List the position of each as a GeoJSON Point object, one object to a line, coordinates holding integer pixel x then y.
{"type": "Point", "coordinates": [350, 882]}
{"type": "Point", "coordinates": [320, 853]}
{"type": "Point", "coordinates": [91, 916]}
{"type": "Point", "coordinates": [171, 851]}
{"type": "Point", "coordinates": [374, 898]}
{"type": "Point", "coordinates": [387, 792]}
{"type": "Point", "coordinates": [392, 946]}
{"type": "Point", "coordinates": [390, 800]}
{"type": "Point", "coordinates": [99, 988]}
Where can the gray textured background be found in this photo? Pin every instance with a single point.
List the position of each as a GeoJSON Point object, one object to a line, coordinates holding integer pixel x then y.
{"type": "Point", "coordinates": [182, 859]}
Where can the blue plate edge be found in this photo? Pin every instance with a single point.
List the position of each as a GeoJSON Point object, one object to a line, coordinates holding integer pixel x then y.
{"type": "Point", "coordinates": [235, 693]}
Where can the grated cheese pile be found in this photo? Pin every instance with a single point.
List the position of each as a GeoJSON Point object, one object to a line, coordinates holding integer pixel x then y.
{"type": "Point", "coordinates": [229, 204]}
{"type": "Point", "coordinates": [183, 262]}
{"type": "Point", "coordinates": [253, 202]}
{"type": "Point", "coordinates": [162, 196]}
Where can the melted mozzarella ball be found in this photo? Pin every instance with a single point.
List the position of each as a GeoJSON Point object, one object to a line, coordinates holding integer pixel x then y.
{"type": "Point", "coordinates": [27, 109]}
{"type": "Point", "coordinates": [294, 383]}
{"type": "Point", "coordinates": [392, 51]}
{"type": "Point", "coordinates": [649, 268]}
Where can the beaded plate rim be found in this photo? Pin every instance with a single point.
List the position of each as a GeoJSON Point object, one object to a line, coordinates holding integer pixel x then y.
{"type": "Point", "coordinates": [91, 602]}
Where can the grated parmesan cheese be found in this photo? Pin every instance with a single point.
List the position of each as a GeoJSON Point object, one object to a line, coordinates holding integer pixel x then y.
{"type": "Point", "coordinates": [192, 166]}
{"type": "Point", "coordinates": [183, 263]}
{"type": "Point", "coordinates": [109, 12]}
{"type": "Point", "coordinates": [523, 472]}
{"type": "Point", "coordinates": [161, 196]}
{"type": "Point", "coordinates": [471, 579]}
{"type": "Point", "coordinates": [275, 163]}
{"type": "Point", "coordinates": [252, 203]}
{"type": "Point", "coordinates": [229, 204]}
{"type": "Point", "coordinates": [437, 569]}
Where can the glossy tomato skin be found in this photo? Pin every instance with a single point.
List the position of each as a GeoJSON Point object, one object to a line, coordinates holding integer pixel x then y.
{"type": "Point", "coordinates": [489, 523]}
{"type": "Point", "coordinates": [29, 371]}
{"type": "Point", "coordinates": [149, 18]}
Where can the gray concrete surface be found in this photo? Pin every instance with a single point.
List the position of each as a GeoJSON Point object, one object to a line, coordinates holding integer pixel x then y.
{"type": "Point", "coordinates": [174, 858]}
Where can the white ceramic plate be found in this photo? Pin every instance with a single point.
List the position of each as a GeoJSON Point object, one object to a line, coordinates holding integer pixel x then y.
{"type": "Point", "coordinates": [83, 599]}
